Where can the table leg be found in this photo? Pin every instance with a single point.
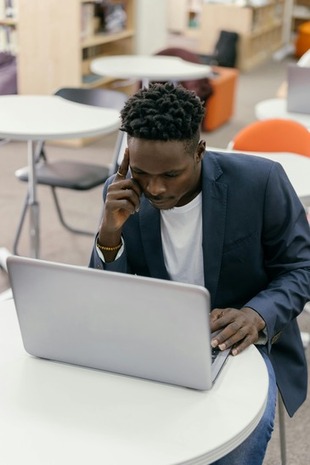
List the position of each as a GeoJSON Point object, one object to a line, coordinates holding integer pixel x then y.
{"type": "Point", "coordinates": [33, 203]}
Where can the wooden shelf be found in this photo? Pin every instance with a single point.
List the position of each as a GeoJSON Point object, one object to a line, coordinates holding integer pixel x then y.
{"type": "Point", "coordinates": [260, 29]}
{"type": "Point", "coordinates": [104, 38]}
{"type": "Point", "coordinates": [57, 43]}
{"type": "Point", "coordinates": [8, 22]}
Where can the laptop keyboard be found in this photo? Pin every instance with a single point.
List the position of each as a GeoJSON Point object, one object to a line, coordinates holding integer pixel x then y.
{"type": "Point", "coordinates": [214, 353]}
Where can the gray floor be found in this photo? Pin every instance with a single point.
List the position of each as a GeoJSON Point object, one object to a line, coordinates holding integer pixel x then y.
{"type": "Point", "coordinates": [83, 209]}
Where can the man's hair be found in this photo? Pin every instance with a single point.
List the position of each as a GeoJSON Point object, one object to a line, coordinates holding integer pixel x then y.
{"type": "Point", "coordinates": [164, 112]}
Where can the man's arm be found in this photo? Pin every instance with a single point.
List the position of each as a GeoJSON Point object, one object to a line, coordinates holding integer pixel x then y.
{"type": "Point", "coordinates": [121, 200]}
{"type": "Point", "coordinates": [286, 249]}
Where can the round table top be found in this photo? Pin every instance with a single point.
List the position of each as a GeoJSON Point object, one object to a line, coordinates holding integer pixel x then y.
{"type": "Point", "coordinates": [295, 165]}
{"type": "Point", "coordinates": [58, 413]}
{"type": "Point", "coordinates": [154, 67]}
{"type": "Point", "coordinates": [40, 117]}
{"type": "Point", "coordinates": [276, 108]}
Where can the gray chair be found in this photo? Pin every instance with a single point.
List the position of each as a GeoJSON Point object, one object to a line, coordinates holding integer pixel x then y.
{"type": "Point", "coordinates": [281, 409]}
{"type": "Point", "coordinates": [71, 174]}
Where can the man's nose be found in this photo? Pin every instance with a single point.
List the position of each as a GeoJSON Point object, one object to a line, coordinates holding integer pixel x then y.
{"type": "Point", "coordinates": [155, 186]}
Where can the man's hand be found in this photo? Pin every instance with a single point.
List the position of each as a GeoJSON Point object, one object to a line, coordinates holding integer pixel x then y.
{"type": "Point", "coordinates": [237, 328]}
{"type": "Point", "coordinates": [122, 200]}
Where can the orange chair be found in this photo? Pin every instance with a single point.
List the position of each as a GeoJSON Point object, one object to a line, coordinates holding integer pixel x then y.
{"type": "Point", "coordinates": [273, 135]}
{"type": "Point", "coordinates": [302, 42]}
{"type": "Point", "coordinates": [217, 91]}
{"type": "Point", "coordinates": [221, 104]}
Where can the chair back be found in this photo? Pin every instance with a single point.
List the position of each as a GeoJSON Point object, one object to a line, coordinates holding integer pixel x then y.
{"type": "Point", "coordinates": [273, 135]}
{"type": "Point", "coordinates": [107, 98]}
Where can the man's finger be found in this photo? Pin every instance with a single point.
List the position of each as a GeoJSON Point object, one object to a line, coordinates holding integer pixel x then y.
{"type": "Point", "coordinates": [123, 167]}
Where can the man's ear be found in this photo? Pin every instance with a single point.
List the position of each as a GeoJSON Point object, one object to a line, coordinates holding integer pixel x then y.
{"type": "Point", "coordinates": [201, 148]}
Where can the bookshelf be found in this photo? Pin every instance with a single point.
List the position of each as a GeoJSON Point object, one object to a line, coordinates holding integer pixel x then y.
{"type": "Point", "coordinates": [259, 25]}
{"type": "Point", "coordinates": [58, 40]}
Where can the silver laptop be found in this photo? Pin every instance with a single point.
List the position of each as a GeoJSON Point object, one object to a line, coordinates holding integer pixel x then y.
{"type": "Point", "coordinates": [137, 326]}
{"type": "Point", "coordinates": [298, 89]}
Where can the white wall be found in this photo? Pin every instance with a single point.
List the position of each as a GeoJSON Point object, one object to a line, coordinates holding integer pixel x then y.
{"type": "Point", "coordinates": [151, 26]}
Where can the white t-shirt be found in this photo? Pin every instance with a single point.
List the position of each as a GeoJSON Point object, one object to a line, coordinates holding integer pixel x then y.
{"type": "Point", "coordinates": [181, 233]}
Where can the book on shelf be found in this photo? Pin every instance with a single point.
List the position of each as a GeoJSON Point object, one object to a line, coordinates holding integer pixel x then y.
{"type": "Point", "coordinates": [8, 9]}
{"type": "Point", "coordinates": [90, 78]}
{"type": "Point", "coordinates": [8, 41]}
{"type": "Point", "coordinates": [87, 19]}
{"type": "Point", "coordinates": [115, 18]}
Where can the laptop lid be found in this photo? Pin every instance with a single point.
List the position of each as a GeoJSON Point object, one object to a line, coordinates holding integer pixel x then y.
{"type": "Point", "coordinates": [298, 89]}
{"type": "Point", "coordinates": [144, 327]}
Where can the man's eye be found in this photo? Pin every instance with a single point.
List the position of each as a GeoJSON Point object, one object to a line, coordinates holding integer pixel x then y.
{"type": "Point", "coordinates": [171, 175]}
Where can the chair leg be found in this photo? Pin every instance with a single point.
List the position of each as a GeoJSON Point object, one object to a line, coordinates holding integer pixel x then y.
{"type": "Point", "coordinates": [62, 220]}
{"type": "Point", "coordinates": [281, 413]}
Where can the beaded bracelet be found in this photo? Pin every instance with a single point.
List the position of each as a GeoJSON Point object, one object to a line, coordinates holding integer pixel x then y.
{"type": "Point", "coordinates": [109, 249]}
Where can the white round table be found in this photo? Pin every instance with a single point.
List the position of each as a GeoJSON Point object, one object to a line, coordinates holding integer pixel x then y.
{"type": "Point", "coordinates": [53, 413]}
{"type": "Point", "coordinates": [276, 108]}
{"type": "Point", "coordinates": [35, 118]}
{"type": "Point", "coordinates": [296, 167]}
{"type": "Point", "coordinates": [149, 68]}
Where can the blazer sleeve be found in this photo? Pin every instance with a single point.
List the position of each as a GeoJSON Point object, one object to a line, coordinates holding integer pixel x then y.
{"type": "Point", "coordinates": [286, 243]}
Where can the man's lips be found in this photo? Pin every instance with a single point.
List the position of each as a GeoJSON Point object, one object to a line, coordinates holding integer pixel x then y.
{"type": "Point", "coordinates": [157, 199]}
{"type": "Point", "coordinates": [161, 202]}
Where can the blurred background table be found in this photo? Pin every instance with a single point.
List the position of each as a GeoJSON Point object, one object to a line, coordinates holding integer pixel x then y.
{"type": "Point", "coordinates": [149, 68]}
{"type": "Point", "coordinates": [276, 108]}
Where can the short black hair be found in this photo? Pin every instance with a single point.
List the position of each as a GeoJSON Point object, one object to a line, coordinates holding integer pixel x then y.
{"type": "Point", "coordinates": [164, 112]}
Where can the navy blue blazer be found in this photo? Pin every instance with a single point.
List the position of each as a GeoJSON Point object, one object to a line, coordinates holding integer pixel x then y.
{"type": "Point", "coordinates": [256, 250]}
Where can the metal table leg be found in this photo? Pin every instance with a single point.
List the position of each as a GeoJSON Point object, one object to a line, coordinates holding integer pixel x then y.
{"type": "Point", "coordinates": [33, 204]}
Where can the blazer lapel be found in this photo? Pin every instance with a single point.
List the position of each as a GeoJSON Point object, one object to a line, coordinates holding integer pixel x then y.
{"type": "Point", "coordinates": [213, 223]}
{"type": "Point", "coordinates": [151, 240]}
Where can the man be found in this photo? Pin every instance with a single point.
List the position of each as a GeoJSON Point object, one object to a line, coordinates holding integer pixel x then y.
{"type": "Point", "coordinates": [231, 223]}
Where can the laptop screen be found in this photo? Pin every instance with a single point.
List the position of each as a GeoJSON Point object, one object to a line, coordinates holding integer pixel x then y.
{"type": "Point", "coordinates": [298, 89]}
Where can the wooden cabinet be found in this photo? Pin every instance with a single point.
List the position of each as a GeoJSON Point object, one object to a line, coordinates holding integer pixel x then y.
{"type": "Point", "coordinates": [260, 29]}
{"type": "Point", "coordinates": [58, 39]}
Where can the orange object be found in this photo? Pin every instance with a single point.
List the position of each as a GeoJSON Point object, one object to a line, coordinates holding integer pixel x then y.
{"type": "Point", "coordinates": [220, 106]}
{"type": "Point", "coordinates": [302, 43]}
{"type": "Point", "coordinates": [273, 135]}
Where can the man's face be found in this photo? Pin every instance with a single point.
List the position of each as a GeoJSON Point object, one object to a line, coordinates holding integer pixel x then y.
{"type": "Point", "coordinates": [168, 175]}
